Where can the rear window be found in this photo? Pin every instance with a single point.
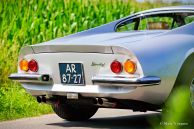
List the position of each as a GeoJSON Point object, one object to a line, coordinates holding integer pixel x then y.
{"type": "Point", "coordinates": [156, 22]}
{"type": "Point", "coordinates": [189, 19]}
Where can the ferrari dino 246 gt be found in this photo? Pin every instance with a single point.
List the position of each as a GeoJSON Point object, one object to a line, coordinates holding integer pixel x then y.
{"type": "Point", "coordinates": [131, 63]}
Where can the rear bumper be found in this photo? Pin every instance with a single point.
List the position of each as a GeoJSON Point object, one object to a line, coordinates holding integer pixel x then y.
{"type": "Point", "coordinates": [101, 81]}
{"type": "Point", "coordinates": [102, 86]}
{"type": "Point", "coordinates": [31, 78]}
{"type": "Point", "coordinates": [118, 81]}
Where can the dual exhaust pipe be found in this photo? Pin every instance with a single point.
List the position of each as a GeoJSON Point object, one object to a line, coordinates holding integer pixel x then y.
{"type": "Point", "coordinates": [102, 102]}
{"type": "Point", "coordinates": [43, 99]}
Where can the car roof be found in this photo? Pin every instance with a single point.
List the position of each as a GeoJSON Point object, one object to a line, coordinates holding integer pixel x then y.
{"type": "Point", "coordinates": [169, 9]}
{"type": "Point", "coordinates": [186, 10]}
{"type": "Point", "coordinates": [184, 7]}
{"type": "Point", "coordinates": [163, 10]}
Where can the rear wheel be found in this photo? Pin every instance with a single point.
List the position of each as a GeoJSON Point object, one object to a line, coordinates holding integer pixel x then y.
{"type": "Point", "coordinates": [74, 112]}
{"type": "Point", "coordinates": [186, 83]}
{"type": "Point", "coordinates": [192, 94]}
{"type": "Point", "coordinates": [181, 100]}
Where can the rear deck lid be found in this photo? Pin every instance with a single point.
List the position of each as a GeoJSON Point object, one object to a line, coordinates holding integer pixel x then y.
{"type": "Point", "coordinates": [94, 43]}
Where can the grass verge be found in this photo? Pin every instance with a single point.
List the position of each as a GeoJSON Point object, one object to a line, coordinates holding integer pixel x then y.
{"type": "Point", "coordinates": [15, 103]}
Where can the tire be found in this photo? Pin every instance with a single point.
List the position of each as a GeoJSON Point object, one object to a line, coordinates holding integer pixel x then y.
{"type": "Point", "coordinates": [74, 112]}
{"type": "Point", "coordinates": [192, 94]}
{"type": "Point", "coordinates": [179, 104]}
{"type": "Point", "coordinates": [186, 83]}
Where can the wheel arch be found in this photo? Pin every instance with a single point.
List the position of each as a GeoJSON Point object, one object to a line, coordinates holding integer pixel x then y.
{"type": "Point", "coordinates": [185, 68]}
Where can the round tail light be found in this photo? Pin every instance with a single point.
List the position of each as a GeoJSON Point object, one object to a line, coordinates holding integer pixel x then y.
{"type": "Point", "coordinates": [24, 65]}
{"type": "Point", "coordinates": [33, 66]}
{"type": "Point", "coordinates": [130, 66]}
{"type": "Point", "coordinates": [116, 67]}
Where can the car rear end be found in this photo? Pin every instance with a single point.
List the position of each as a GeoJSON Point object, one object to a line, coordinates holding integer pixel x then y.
{"type": "Point", "coordinates": [77, 79]}
{"type": "Point", "coordinates": [80, 69]}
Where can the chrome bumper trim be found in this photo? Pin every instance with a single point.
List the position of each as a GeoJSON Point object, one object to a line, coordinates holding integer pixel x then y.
{"type": "Point", "coordinates": [101, 81]}
{"type": "Point", "coordinates": [30, 78]}
{"type": "Point", "coordinates": [119, 81]}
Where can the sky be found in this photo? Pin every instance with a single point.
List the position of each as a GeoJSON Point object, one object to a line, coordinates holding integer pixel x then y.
{"type": "Point", "coordinates": [184, 1]}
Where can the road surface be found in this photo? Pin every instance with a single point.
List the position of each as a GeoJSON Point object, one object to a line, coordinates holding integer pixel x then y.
{"type": "Point", "coordinates": [103, 119]}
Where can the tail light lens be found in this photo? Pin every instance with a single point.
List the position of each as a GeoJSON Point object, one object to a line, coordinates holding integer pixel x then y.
{"type": "Point", "coordinates": [33, 66]}
{"type": "Point", "coordinates": [24, 65]}
{"type": "Point", "coordinates": [116, 67]}
{"type": "Point", "coordinates": [130, 66]}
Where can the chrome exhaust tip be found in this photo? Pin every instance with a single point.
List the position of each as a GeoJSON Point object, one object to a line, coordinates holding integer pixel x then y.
{"type": "Point", "coordinates": [106, 103]}
{"type": "Point", "coordinates": [39, 99]}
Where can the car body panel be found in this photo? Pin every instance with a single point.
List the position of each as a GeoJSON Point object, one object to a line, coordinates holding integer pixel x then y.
{"type": "Point", "coordinates": [157, 53]}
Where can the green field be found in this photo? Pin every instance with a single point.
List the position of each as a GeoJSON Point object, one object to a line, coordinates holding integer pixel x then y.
{"type": "Point", "coordinates": [25, 22]}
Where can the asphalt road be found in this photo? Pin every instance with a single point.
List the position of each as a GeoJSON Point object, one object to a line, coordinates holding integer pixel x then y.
{"type": "Point", "coordinates": [103, 119]}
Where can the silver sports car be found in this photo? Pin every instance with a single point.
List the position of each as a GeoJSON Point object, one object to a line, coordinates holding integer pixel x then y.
{"type": "Point", "coordinates": [131, 63]}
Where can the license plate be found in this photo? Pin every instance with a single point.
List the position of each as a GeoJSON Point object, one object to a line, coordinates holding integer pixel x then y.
{"type": "Point", "coordinates": [72, 73]}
